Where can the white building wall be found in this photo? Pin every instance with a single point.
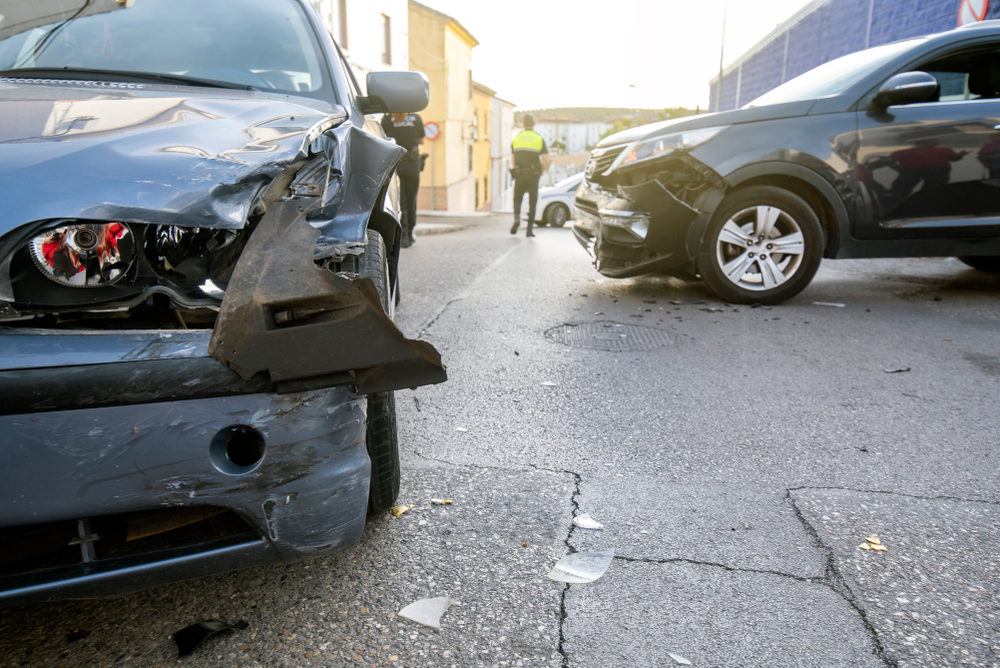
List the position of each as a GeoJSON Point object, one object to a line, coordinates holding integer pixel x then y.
{"type": "Point", "coordinates": [578, 137]}
{"type": "Point", "coordinates": [365, 29]}
{"type": "Point", "coordinates": [501, 135]}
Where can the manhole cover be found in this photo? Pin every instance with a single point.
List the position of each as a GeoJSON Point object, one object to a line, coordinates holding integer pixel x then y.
{"type": "Point", "coordinates": [610, 336]}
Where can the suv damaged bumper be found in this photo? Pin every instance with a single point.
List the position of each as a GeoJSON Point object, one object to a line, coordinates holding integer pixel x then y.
{"type": "Point", "coordinates": [179, 478]}
{"type": "Point", "coordinates": [646, 227]}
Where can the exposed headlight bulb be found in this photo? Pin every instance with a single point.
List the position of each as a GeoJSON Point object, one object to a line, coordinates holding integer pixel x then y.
{"type": "Point", "coordinates": [84, 255]}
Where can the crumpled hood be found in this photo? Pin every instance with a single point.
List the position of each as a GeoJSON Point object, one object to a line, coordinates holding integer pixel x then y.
{"type": "Point", "coordinates": [143, 153]}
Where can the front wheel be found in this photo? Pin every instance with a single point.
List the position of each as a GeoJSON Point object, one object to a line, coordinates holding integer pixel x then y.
{"type": "Point", "coordinates": [557, 215]}
{"type": "Point", "coordinates": [380, 427]}
{"type": "Point", "coordinates": [763, 245]}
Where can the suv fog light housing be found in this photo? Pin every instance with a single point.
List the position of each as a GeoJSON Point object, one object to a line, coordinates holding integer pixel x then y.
{"type": "Point", "coordinates": [84, 255]}
{"type": "Point", "coordinates": [636, 223]}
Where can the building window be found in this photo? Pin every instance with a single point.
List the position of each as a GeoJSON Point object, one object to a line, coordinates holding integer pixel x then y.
{"type": "Point", "coordinates": [470, 159]}
{"type": "Point", "coordinates": [342, 15]}
{"type": "Point", "coordinates": [470, 84]}
{"type": "Point", "coordinates": [386, 40]}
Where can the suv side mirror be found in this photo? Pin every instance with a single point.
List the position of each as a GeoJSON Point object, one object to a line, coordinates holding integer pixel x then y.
{"type": "Point", "coordinates": [907, 88]}
{"type": "Point", "coordinates": [395, 92]}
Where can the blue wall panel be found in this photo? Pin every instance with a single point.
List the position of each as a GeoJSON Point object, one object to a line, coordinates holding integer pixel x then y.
{"type": "Point", "coordinates": [832, 29]}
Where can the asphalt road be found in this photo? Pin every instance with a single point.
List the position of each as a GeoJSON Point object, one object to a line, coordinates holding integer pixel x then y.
{"type": "Point", "coordinates": [736, 456]}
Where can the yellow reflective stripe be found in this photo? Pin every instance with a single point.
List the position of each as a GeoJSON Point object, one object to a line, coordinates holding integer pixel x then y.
{"type": "Point", "coordinates": [529, 140]}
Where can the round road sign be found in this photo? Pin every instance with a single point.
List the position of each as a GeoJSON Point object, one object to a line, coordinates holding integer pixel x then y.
{"type": "Point", "coordinates": [971, 11]}
{"type": "Point", "coordinates": [431, 130]}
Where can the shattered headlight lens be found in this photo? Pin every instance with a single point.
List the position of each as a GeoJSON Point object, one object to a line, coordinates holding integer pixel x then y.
{"type": "Point", "coordinates": [84, 255]}
{"type": "Point", "coordinates": [655, 147]}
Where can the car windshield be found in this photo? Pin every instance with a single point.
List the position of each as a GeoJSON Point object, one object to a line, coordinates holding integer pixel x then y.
{"type": "Point", "coordinates": [835, 76]}
{"type": "Point", "coordinates": [262, 44]}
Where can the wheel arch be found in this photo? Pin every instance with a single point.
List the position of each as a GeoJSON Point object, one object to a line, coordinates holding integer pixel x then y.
{"type": "Point", "coordinates": [817, 192]}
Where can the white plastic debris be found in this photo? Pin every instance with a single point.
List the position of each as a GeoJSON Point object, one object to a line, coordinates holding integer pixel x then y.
{"type": "Point", "coordinates": [549, 383]}
{"type": "Point", "coordinates": [833, 304]}
{"type": "Point", "coordinates": [585, 521]}
{"type": "Point", "coordinates": [461, 430]}
{"type": "Point", "coordinates": [679, 659]}
{"type": "Point", "coordinates": [427, 611]}
{"type": "Point", "coordinates": [581, 567]}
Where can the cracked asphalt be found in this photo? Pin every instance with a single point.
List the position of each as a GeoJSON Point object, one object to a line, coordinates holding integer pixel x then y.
{"type": "Point", "coordinates": [736, 465]}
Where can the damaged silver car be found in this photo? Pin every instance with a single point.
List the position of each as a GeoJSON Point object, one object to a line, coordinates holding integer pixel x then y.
{"type": "Point", "coordinates": [198, 268]}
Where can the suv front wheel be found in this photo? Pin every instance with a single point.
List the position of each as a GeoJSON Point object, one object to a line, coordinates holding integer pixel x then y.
{"type": "Point", "coordinates": [763, 245]}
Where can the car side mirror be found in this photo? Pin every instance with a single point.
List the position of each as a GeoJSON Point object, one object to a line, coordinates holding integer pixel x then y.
{"type": "Point", "coordinates": [395, 92]}
{"type": "Point", "coordinates": [907, 88]}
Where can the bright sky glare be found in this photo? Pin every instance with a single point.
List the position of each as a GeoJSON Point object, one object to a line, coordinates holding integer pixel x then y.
{"type": "Point", "coordinates": [595, 53]}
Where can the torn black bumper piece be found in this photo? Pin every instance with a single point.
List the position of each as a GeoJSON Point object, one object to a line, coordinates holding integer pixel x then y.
{"type": "Point", "coordinates": [308, 327]}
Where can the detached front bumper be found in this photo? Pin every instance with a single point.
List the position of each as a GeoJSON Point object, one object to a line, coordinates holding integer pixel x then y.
{"type": "Point", "coordinates": [133, 475]}
{"type": "Point", "coordinates": [635, 229]}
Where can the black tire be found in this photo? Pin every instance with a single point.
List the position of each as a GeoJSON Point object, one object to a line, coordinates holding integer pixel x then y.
{"type": "Point", "coordinates": [557, 214]}
{"type": "Point", "coordinates": [988, 263]}
{"type": "Point", "coordinates": [763, 245]}
{"type": "Point", "coordinates": [380, 427]}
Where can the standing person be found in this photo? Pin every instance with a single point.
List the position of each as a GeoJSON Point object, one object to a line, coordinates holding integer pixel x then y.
{"type": "Point", "coordinates": [529, 159]}
{"type": "Point", "coordinates": [408, 131]}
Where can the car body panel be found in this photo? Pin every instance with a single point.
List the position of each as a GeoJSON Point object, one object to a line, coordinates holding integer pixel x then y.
{"type": "Point", "coordinates": [307, 494]}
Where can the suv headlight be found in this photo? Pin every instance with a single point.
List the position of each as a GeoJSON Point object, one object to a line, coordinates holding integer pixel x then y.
{"type": "Point", "coordinates": [657, 147]}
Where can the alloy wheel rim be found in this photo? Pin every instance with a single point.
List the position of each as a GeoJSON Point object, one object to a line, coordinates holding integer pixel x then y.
{"type": "Point", "coordinates": [760, 248]}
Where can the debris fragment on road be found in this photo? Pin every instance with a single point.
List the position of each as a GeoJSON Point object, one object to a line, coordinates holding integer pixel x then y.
{"type": "Point", "coordinates": [581, 567]}
{"type": "Point", "coordinates": [833, 304]}
{"type": "Point", "coordinates": [679, 659]}
{"type": "Point", "coordinates": [442, 502]}
{"type": "Point", "coordinates": [549, 383]}
{"type": "Point", "coordinates": [900, 369]}
{"type": "Point", "coordinates": [399, 510]}
{"type": "Point", "coordinates": [427, 611]}
{"type": "Point", "coordinates": [585, 521]}
{"type": "Point", "coordinates": [873, 544]}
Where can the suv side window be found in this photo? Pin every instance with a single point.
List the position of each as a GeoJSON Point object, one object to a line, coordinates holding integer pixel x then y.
{"type": "Point", "coordinates": [967, 75]}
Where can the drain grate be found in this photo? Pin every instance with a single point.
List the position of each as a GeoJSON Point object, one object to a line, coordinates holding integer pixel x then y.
{"type": "Point", "coordinates": [609, 336]}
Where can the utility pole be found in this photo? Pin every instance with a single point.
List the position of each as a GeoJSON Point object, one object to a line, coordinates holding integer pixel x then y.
{"type": "Point", "coordinates": [722, 50]}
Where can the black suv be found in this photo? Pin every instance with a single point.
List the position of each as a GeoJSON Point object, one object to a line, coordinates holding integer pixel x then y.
{"type": "Point", "coordinates": [889, 152]}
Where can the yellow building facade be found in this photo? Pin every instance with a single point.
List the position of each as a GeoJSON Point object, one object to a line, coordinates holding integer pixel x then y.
{"type": "Point", "coordinates": [441, 48]}
{"type": "Point", "coordinates": [482, 123]}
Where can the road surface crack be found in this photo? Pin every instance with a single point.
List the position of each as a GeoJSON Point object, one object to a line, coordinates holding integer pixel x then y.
{"type": "Point", "coordinates": [836, 580]}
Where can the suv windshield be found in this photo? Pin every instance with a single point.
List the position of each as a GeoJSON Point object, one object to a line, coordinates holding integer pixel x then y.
{"type": "Point", "coordinates": [262, 44]}
{"type": "Point", "coordinates": [834, 76]}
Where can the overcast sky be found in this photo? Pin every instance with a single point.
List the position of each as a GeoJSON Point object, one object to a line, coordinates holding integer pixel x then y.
{"type": "Point", "coordinates": [609, 53]}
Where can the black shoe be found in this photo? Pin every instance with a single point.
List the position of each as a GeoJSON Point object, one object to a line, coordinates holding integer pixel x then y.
{"type": "Point", "coordinates": [530, 234]}
{"type": "Point", "coordinates": [513, 228]}
{"type": "Point", "coordinates": [405, 242]}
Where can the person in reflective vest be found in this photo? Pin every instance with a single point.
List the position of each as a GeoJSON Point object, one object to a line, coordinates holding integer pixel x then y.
{"type": "Point", "coordinates": [529, 159]}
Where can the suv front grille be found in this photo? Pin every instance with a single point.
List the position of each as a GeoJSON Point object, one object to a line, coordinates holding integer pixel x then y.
{"type": "Point", "coordinates": [601, 159]}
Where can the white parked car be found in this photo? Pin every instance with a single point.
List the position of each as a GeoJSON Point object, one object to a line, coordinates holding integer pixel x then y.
{"type": "Point", "coordinates": [556, 202]}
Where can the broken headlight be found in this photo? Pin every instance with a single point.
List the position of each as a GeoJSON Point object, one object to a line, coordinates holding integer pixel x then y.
{"type": "Point", "coordinates": [84, 255]}
{"type": "Point", "coordinates": [100, 266]}
{"type": "Point", "coordinates": [663, 145]}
